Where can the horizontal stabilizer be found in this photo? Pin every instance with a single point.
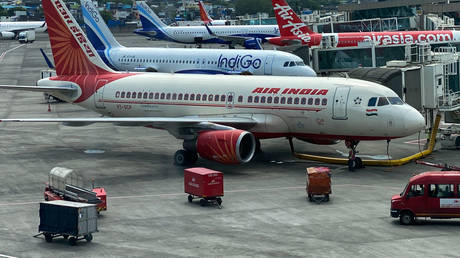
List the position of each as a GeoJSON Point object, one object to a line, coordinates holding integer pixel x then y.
{"type": "Point", "coordinates": [49, 89]}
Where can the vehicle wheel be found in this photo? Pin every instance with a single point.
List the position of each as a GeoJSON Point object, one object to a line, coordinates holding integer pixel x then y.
{"type": "Point", "coordinates": [65, 236]}
{"type": "Point", "coordinates": [203, 202]}
{"type": "Point", "coordinates": [359, 162]}
{"type": "Point", "coordinates": [310, 197]}
{"type": "Point", "coordinates": [72, 240]}
{"type": "Point", "coordinates": [180, 158]}
{"type": "Point", "coordinates": [48, 237]}
{"type": "Point", "coordinates": [326, 198]}
{"type": "Point", "coordinates": [406, 218]}
{"type": "Point", "coordinates": [219, 200]}
{"type": "Point", "coordinates": [190, 198]}
{"type": "Point", "coordinates": [89, 237]}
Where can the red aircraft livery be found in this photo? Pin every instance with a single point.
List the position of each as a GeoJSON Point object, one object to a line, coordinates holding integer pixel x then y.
{"type": "Point", "coordinates": [294, 32]}
{"type": "Point", "coordinates": [290, 91]}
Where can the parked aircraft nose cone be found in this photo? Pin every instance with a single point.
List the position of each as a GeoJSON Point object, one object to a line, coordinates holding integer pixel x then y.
{"type": "Point", "coordinates": [414, 121]}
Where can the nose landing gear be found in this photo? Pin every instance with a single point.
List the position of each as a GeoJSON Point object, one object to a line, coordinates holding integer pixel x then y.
{"type": "Point", "coordinates": [353, 161]}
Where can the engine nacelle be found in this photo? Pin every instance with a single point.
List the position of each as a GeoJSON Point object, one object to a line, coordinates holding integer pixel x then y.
{"type": "Point", "coordinates": [320, 141]}
{"type": "Point", "coordinates": [255, 43]}
{"type": "Point", "coordinates": [226, 146]}
{"type": "Point", "coordinates": [7, 35]}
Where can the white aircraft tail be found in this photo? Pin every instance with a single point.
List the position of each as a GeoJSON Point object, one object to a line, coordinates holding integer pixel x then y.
{"type": "Point", "coordinates": [149, 19]}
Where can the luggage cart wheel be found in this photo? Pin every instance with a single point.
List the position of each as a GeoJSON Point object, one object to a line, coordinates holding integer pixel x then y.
{"type": "Point", "coordinates": [48, 237]}
{"type": "Point", "coordinates": [219, 200]}
{"type": "Point", "coordinates": [72, 240]}
{"type": "Point", "coordinates": [310, 197]}
{"type": "Point", "coordinates": [326, 197]}
{"type": "Point", "coordinates": [89, 237]}
{"type": "Point", "coordinates": [203, 202]}
{"type": "Point", "coordinates": [65, 236]}
{"type": "Point", "coordinates": [190, 198]}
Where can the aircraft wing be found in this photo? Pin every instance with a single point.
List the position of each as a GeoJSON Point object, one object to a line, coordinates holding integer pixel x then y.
{"type": "Point", "coordinates": [180, 127]}
{"type": "Point", "coordinates": [247, 42]}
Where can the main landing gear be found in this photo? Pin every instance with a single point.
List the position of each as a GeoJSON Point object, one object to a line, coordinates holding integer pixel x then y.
{"type": "Point", "coordinates": [185, 157]}
{"type": "Point", "coordinates": [353, 161]}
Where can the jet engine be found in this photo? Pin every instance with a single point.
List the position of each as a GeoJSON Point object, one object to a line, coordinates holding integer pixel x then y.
{"type": "Point", "coordinates": [320, 141]}
{"type": "Point", "coordinates": [254, 43]}
{"type": "Point", "coordinates": [226, 146]}
{"type": "Point", "coordinates": [6, 35]}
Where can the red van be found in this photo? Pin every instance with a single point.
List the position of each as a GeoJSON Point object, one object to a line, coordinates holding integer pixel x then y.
{"type": "Point", "coordinates": [433, 194]}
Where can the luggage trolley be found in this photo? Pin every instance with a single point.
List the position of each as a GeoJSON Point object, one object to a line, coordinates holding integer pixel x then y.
{"type": "Point", "coordinates": [204, 183]}
{"type": "Point", "coordinates": [318, 184]}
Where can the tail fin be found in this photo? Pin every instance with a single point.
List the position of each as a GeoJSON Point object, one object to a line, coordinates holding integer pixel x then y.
{"type": "Point", "coordinates": [73, 53]}
{"type": "Point", "coordinates": [98, 33]}
{"type": "Point", "coordinates": [204, 15]}
{"type": "Point", "coordinates": [288, 22]}
{"type": "Point", "coordinates": [149, 20]}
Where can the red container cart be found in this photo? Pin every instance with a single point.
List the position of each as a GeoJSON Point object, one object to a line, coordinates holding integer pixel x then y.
{"type": "Point", "coordinates": [318, 184]}
{"type": "Point", "coordinates": [204, 183]}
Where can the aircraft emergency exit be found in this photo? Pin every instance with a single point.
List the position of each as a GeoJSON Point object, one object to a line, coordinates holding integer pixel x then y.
{"type": "Point", "coordinates": [207, 19]}
{"type": "Point", "coordinates": [218, 117]}
{"type": "Point", "coordinates": [293, 31]}
{"type": "Point", "coordinates": [185, 60]}
{"type": "Point", "coordinates": [250, 37]}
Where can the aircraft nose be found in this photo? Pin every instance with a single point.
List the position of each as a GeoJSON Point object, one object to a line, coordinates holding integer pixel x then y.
{"type": "Point", "coordinates": [307, 71]}
{"type": "Point", "coordinates": [414, 121]}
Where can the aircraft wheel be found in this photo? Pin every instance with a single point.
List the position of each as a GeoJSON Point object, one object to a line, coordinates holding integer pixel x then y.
{"type": "Point", "coordinates": [180, 158]}
{"type": "Point", "coordinates": [359, 162]}
{"type": "Point", "coordinates": [351, 165]}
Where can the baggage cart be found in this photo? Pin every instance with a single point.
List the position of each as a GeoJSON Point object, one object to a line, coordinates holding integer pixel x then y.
{"type": "Point", "coordinates": [203, 183]}
{"type": "Point", "coordinates": [318, 184]}
{"type": "Point", "coordinates": [71, 220]}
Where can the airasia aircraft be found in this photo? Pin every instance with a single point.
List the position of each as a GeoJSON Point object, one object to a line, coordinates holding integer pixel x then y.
{"type": "Point", "coordinates": [293, 31]}
{"type": "Point", "coordinates": [207, 19]}
{"type": "Point", "coordinates": [219, 117]}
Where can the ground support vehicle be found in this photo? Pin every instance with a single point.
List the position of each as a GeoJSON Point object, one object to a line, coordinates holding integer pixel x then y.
{"type": "Point", "coordinates": [65, 184]}
{"type": "Point", "coordinates": [203, 183]}
{"type": "Point", "coordinates": [27, 36]}
{"type": "Point", "coordinates": [71, 220]}
{"type": "Point", "coordinates": [434, 194]}
{"type": "Point", "coordinates": [318, 184]}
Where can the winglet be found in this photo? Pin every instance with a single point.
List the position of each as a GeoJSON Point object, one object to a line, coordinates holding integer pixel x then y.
{"type": "Point", "coordinates": [48, 61]}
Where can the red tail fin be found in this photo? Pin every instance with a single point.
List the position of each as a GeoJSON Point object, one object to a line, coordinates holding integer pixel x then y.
{"type": "Point", "coordinates": [73, 53]}
{"type": "Point", "coordinates": [288, 22]}
{"type": "Point", "coordinates": [204, 15]}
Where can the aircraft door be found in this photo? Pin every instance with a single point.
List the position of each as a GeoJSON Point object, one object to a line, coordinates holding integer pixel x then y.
{"type": "Point", "coordinates": [340, 103]}
{"type": "Point", "coordinates": [230, 100]}
{"type": "Point", "coordinates": [268, 65]}
{"type": "Point", "coordinates": [99, 94]}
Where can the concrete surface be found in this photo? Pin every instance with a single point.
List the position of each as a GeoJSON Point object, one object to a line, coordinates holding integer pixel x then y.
{"type": "Point", "coordinates": [265, 211]}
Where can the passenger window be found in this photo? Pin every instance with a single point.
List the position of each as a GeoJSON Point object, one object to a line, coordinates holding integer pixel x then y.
{"type": "Point", "coordinates": [157, 95]}
{"type": "Point", "coordinates": [122, 94]}
{"type": "Point", "coordinates": [168, 96]}
{"type": "Point", "coordinates": [192, 96]}
{"type": "Point", "coordinates": [372, 102]}
{"type": "Point", "coordinates": [151, 95]}
{"type": "Point", "coordinates": [174, 96]}
{"type": "Point", "coordinates": [283, 100]}
{"type": "Point", "coordinates": [296, 101]}
{"type": "Point", "coordinates": [249, 99]}
{"type": "Point", "coordinates": [186, 97]}
{"type": "Point", "coordinates": [310, 101]}
{"type": "Point", "coordinates": [444, 190]}
{"type": "Point", "coordinates": [324, 102]}
{"type": "Point", "coordinates": [162, 96]}
{"type": "Point", "coordinates": [289, 100]}
{"type": "Point", "coordinates": [262, 99]}
{"type": "Point", "coordinates": [205, 97]}
{"type": "Point", "coordinates": [276, 100]}
{"type": "Point", "coordinates": [317, 101]}
{"type": "Point", "coordinates": [128, 95]}
{"type": "Point", "coordinates": [145, 95]}
{"type": "Point", "coordinates": [198, 96]}
{"type": "Point", "coordinates": [210, 98]}
{"type": "Point", "coordinates": [180, 96]}
{"type": "Point", "coordinates": [230, 98]}
{"type": "Point", "coordinates": [240, 99]}
{"type": "Point", "coordinates": [383, 101]}
{"type": "Point", "coordinates": [222, 98]}
{"type": "Point", "coordinates": [416, 190]}
{"type": "Point", "coordinates": [256, 99]}
{"type": "Point", "coordinates": [133, 95]}
{"type": "Point", "coordinates": [303, 101]}
{"type": "Point", "coordinates": [117, 94]}
{"type": "Point", "coordinates": [269, 100]}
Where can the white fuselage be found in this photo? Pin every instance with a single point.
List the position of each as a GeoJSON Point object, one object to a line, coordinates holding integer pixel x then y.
{"type": "Point", "coordinates": [299, 106]}
{"type": "Point", "coordinates": [18, 26]}
{"type": "Point", "coordinates": [210, 61]}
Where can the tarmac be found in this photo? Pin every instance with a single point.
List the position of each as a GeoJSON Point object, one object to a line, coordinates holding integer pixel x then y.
{"type": "Point", "coordinates": [265, 211]}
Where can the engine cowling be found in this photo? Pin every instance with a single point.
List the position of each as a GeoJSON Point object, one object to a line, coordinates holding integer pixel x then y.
{"type": "Point", "coordinates": [320, 141]}
{"type": "Point", "coordinates": [226, 146]}
{"type": "Point", "coordinates": [7, 35]}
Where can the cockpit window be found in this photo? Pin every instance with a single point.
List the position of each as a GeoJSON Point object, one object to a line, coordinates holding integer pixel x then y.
{"type": "Point", "coordinates": [286, 64]}
{"type": "Point", "coordinates": [292, 63]}
{"type": "Point", "coordinates": [395, 101]}
{"type": "Point", "coordinates": [300, 63]}
{"type": "Point", "coordinates": [383, 101]}
{"type": "Point", "coordinates": [372, 102]}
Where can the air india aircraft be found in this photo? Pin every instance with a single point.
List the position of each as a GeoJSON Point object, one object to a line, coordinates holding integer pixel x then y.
{"type": "Point", "coordinates": [207, 19]}
{"type": "Point", "coordinates": [293, 31]}
{"type": "Point", "coordinates": [218, 117]}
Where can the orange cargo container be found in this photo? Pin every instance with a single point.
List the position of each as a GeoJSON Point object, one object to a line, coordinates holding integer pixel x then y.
{"type": "Point", "coordinates": [318, 183]}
